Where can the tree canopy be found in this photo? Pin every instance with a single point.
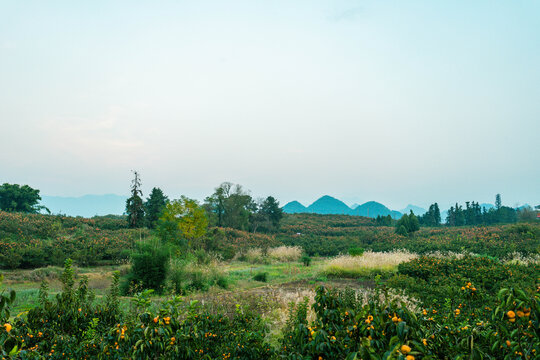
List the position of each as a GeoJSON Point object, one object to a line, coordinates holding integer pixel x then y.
{"type": "Point", "coordinates": [188, 217]}
{"type": "Point", "coordinates": [17, 198]}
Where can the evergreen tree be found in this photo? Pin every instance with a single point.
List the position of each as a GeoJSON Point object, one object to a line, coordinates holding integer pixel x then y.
{"type": "Point", "coordinates": [407, 224]}
{"type": "Point", "coordinates": [154, 206]}
{"type": "Point", "coordinates": [498, 202]}
{"type": "Point", "coordinates": [383, 220]}
{"type": "Point", "coordinates": [270, 208]}
{"type": "Point", "coordinates": [436, 214]}
{"type": "Point", "coordinates": [432, 217]}
{"type": "Point", "coordinates": [134, 204]}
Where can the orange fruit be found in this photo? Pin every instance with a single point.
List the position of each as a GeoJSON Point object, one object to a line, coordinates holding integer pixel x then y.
{"type": "Point", "coordinates": [405, 349]}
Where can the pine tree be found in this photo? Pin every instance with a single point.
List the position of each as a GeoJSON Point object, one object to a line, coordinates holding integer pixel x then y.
{"type": "Point", "coordinates": [154, 206]}
{"type": "Point", "coordinates": [134, 205]}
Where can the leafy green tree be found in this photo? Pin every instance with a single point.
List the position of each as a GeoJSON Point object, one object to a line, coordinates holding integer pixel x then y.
{"type": "Point", "coordinates": [215, 203]}
{"type": "Point", "coordinates": [14, 197]}
{"type": "Point", "coordinates": [154, 206]}
{"type": "Point", "coordinates": [230, 206]}
{"type": "Point", "coordinates": [189, 217]}
{"type": "Point", "coordinates": [134, 204]}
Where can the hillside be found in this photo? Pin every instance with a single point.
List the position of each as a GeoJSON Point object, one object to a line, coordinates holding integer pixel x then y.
{"type": "Point", "coordinates": [373, 209]}
{"type": "Point", "coordinates": [294, 207]}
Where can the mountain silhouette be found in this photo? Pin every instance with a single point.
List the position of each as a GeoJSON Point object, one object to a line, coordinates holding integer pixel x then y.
{"type": "Point", "coordinates": [330, 205]}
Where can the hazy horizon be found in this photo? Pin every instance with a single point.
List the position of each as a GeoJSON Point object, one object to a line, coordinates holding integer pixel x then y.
{"type": "Point", "coordinates": [398, 102]}
{"type": "Point", "coordinates": [110, 203]}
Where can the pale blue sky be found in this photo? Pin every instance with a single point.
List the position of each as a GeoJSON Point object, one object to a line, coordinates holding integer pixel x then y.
{"type": "Point", "coordinates": [395, 101]}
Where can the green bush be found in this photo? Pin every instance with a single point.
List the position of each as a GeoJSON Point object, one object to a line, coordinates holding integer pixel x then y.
{"type": "Point", "coordinates": [150, 265]}
{"type": "Point", "coordinates": [177, 279]}
{"type": "Point", "coordinates": [356, 251]}
{"type": "Point", "coordinates": [306, 260]}
{"type": "Point", "coordinates": [198, 281]}
{"type": "Point", "coordinates": [222, 281]}
{"type": "Point", "coordinates": [261, 276]}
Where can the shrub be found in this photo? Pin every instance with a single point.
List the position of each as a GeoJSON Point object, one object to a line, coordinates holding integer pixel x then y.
{"type": "Point", "coordinates": [261, 276]}
{"type": "Point", "coordinates": [356, 251]}
{"type": "Point", "coordinates": [197, 281]}
{"type": "Point", "coordinates": [177, 279]}
{"type": "Point", "coordinates": [150, 264]}
{"type": "Point", "coordinates": [306, 260]}
{"type": "Point", "coordinates": [222, 281]}
{"type": "Point", "coordinates": [203, 258]}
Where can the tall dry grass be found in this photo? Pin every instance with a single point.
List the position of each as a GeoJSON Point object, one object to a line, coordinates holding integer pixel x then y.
{"type": "Point", "coordinates": [285, 253]}
{"type": "Point", "coordinates": [518, 258]}
{"type": "Point", "coordinates": [254, 255]}
{"type": "Point", "coordinates": [367, 265]}
{"type": "Point", "coordinates": [277, 254]}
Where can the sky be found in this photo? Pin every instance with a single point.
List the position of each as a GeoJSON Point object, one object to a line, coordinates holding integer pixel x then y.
{"type": "Point", "coordinates": [402, 102]}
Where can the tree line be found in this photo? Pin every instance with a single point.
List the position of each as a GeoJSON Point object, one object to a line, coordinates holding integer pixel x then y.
{"type": "Point", "coordinates": [229, 206]}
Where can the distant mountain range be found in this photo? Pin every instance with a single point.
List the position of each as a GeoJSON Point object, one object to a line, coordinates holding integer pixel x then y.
{"type": "Point", "coordinates": [87, 205]}
{"type": "Point", "coordinates": [330, 205]}
{"type": "Point", "coordinates": [417, 210]}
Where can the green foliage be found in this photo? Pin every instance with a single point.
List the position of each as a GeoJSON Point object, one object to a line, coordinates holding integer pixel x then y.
{"type": "Point", "coordinates": [230, 206]}
{"type": "Point", "coordinates": [35, 240]}
{"type": "Point", "coordinates": [154, 206]}
{"type": "Point", "coordinates": [384, 220]}
{"type": "Point", "coordinates": [261, 276]}
{"type": "Point", "coordinates": [134, 204]}
{"type": "Point", "coordinates": [189, 218]}
{"type": "Point", "coordinates": [150, 265]}
{"type": "Point", "coordinates": [402, 230]}
{"type": "Point", "coordinates": [17, 198]}
{"type": "Point", "coordinates": [268, 216]}
{"type": "Point", "coordinates": [330, 235]}
{"type": "Point", "coordinates": [432, 217]}
{"type": "Point", "coordinates": [69, 324]}
{"type": "Point", "coordinates": [306, 260]}
{"type": "Point", "coordinates": [472, 214]}
{"type": "Point", "coordinates": [346, 327]}
{"type": "Point", "coordinates": [407, 224]}
{"type": "Point", "coordinates": [9, 343]}
{"type": "Point", "coordinates": [432, 280]}
{"type": "Point", "coordinates": [356, 251]}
